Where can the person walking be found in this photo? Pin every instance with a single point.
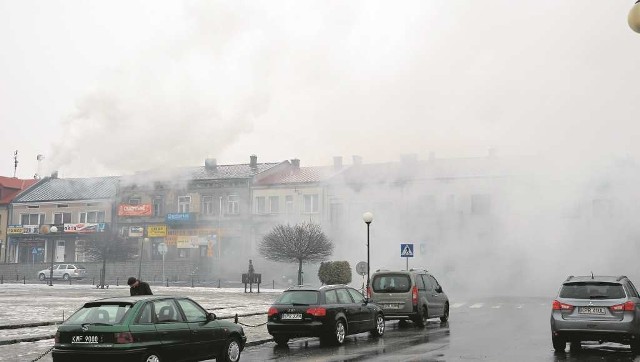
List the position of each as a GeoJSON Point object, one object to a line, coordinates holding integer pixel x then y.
{"type": "Point", "coordinates": [138, 287]}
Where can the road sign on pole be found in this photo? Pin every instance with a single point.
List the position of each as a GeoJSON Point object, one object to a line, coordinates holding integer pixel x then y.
{"type": "Point", "coordinates": [406, 251]}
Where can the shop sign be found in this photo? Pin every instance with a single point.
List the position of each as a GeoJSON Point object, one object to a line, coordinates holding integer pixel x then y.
{"type": "Point", "coordinates": [84, 228]}
{"type": "Point", "coordinates": [156, 231]}
{"type": "Point", "coordinates": [15, 229]}
{"type": "Point", "coordinates": [136, 231]}
{"type": "Point", "coordinates": [30, 229]}
{"type": "Point", "coordinates": [179, 217]}
{"type": "Point", "coordinates": [134, 210]}
{"type": "Point", "coordinates": [187, 242]}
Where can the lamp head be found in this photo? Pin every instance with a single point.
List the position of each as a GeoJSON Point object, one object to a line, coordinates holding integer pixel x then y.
{"type": "Point", "coordinates": [367, 217]}
{"type": "Point", "coordinates": [634, 17]}
{"type": "Point", "coordinates": [53, 229]}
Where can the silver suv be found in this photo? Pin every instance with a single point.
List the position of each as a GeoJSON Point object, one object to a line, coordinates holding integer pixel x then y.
{"type": "Point", "coordinates": [596, 308]}
{"type": "Point", "coordinates": [409, 294]}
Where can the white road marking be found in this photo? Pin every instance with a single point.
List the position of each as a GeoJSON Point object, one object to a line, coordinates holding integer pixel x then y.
{"type": "Point", "coordinates": [457, 305]}
{"type": "Point", "coordinates": [477, 305]}
{"type": "Point", "coordinates": [497, 306]}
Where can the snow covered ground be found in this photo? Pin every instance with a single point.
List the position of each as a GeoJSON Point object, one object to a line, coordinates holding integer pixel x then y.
{"type": "Point", "coordinates": [30, 303]}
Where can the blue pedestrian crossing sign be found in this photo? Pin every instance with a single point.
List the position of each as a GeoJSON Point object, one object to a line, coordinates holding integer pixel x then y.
{"type": "Point", "coordinates": [406, 250]}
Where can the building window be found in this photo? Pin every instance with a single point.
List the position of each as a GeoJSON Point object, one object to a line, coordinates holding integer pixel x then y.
{"type": "Point", "coordinates": [480, 204]}
{"type": "Point", "coordinates": [32, 219]}
{"type": "Point", "coordinates": [260, 205]}
{"type": "Point", "coordinates": [134, 201]}
{"type": "Point", "coordinates": [62, 218]}
{"type": "Point", "coordinates": [92, 217]}
{"type": "Point", "coordinates": [311, 203]}
{"type": "Point", "coordinates": [207, 205]}
{"type": "Point", "coordinates": [184, 202]}
{"type": "Point", "coordinates": [336, 213]}
{"type": "Point", "coordinates": [157, 206]}
{"type": "Point", "coordinates": [274, 204]}
{"type": "Point", "coordinates": [288, 204]}
{"type": "Point", "coordinates": [233, 204]}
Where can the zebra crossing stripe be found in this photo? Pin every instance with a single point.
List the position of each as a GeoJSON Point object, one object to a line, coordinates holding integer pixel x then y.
{"type": "Point", "coordinates": [457, 305]}
{"type": "Point", "coordinates": [477, 305]}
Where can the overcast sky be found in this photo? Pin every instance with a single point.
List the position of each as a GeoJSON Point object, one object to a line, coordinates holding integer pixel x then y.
{"type": "Point", "coordinates": [111, 87]}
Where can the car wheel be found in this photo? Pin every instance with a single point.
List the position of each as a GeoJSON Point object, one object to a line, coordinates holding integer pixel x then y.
{"type": "Point", "coordinates": [231, 350]}
{"type": "Point", "coordinates": [559, 344]}
{"type": "Point", "coordinates": [151, 357]}
{"type": "Point", "coordinates": [339, 332]}
{"type": "Point", "coordinates": [65, 277]}
{"type": "Point", "coordinates": [378, 331]}
{"type": "Point", "coordinates": [41, 276]}
{"type": "Point", "coordinates": [445, 316]}
{"type": "Point", "coordinates": [281, 340]}
{"type": "Point", "coordinates": [421, 318]}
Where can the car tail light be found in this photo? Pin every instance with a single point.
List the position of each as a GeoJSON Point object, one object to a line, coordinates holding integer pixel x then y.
{"type": "Point", "coordinates": [123, 338]}
{"type": "Point", "coordinates": [317, 312]}
{"type": "Point", "coordinates": [628, 306]}
{"type": "Point", "coordinates": [272, 311]}
{"type": "Point", "coordinates": [414, 295]}
{"type": "Point", "coordinates": [561, 306]}
{"type": "Point", "coordinates": [57, 339]}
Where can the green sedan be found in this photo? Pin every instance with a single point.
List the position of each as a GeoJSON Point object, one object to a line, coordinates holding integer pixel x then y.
{"type": "Point", "coordinates": [148, 329]}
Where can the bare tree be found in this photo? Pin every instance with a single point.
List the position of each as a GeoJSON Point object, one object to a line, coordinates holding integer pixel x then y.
{"type": "Point", "coordinates": [300, 243]}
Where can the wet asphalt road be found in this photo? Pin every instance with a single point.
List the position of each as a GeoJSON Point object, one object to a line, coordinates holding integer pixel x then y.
{"type": "Point", "coordinates": [480, 329]}
{"type": "Point", "coordinates": [485, 330]}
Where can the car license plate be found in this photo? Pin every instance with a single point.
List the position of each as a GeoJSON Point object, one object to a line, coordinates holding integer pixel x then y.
{"type": "Point", "coordinates": [291, 316]}
{"type": "Point", "coordinates": [591, 310]}
{"type": "Point", "coordinates": [85, 339]}
{"type": "Point", "coordinates": [391, 306]}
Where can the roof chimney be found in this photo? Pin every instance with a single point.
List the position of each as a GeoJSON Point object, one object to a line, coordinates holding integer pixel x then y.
{"type": "Point", "coordinates": [337, 163]}
{"type": "Point", "coordinates": [210, 164]}
{"type": "Point", "coordinates": [357, 160]}
{"type": "Point", "coordinates": [295, 163]}
{"type": "Point", "coordinates": [253, 161]}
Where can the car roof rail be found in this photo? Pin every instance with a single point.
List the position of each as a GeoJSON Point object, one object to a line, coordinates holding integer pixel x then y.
{"type": "Point", "coordinates": [379, 270]}
{"type": "Point", "coordinates": [621, 277]}
{"type": "Point", "coordinates": [419, 269]}
{"type": "Point", "coordinates": [568, 278]}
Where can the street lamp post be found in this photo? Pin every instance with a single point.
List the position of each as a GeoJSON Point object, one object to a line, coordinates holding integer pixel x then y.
{"type": "Point", "coordinates": [634, 17]}
{"type": "Point", "coordinates": [368, 218]}
{"type": "Point", "coordinates": [52, 230]}
{"type": "Point", "coordinates": [142, 241]}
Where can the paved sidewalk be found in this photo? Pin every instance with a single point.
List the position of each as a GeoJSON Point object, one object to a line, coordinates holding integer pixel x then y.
{"type": "Point", "coordinates": [41, 303]}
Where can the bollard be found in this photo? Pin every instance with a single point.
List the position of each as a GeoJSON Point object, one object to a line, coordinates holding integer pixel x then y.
{"type": "Point", "coordinates": [273, 284]}
{"type": "Point", "coordinates": [93, 281]}
{"type": "Point", "coordinates": [1, 279]}
{"type": "Point", "coordinates": [235, 319]}
{"type": "Point", "coordinates": [69, 281]}
{"type": "Point", "coordinates": [24, 279]}
{"type": "Point", "coordinates": [17, 277]}
{"type": "Point", "coordinates": [63, 315]}
{"type": "Point", "coordinates": [191, 282]}
{"type": "Point", "coordinates": [167, 281]}
{"type": "Point", "coordinates": [117, 281]}
{"type": "Point", "coordinates": [218, 283]}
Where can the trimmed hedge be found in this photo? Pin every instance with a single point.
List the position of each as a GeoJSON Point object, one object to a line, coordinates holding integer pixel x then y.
{"type": "Point", "coordinates": [335, 272]}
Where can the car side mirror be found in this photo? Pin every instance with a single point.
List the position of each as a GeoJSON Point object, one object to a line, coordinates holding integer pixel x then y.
{"type": "Point", "coordinates": [439, 289]}
{"type": "Point", "coordinates": [365, 301]}
{"type": "Point", "coordinates": [211, 317]}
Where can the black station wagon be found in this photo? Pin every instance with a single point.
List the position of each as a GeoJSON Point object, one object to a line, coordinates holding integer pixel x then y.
{"type": "Point", "coordinates": [330, 312]}
{"type": "Point", "coordinates": [148, 329]}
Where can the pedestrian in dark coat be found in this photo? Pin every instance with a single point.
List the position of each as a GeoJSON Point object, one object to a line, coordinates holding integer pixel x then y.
{"type": "Point", "coordinates": [138, 287]}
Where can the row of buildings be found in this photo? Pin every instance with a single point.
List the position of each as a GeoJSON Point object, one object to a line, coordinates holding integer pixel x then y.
{"type": "Point", "coordinates": [217, 213]}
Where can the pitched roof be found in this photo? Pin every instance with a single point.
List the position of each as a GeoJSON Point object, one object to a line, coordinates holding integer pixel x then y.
{"type": "Point", "coordinates": [58, 189]}
{"type": "Point", "coordinates": [219, 172]}
{"type": "Point", "coordinates": [11, 187]}
{"type": "Point", "coordinates": [301, 175]}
